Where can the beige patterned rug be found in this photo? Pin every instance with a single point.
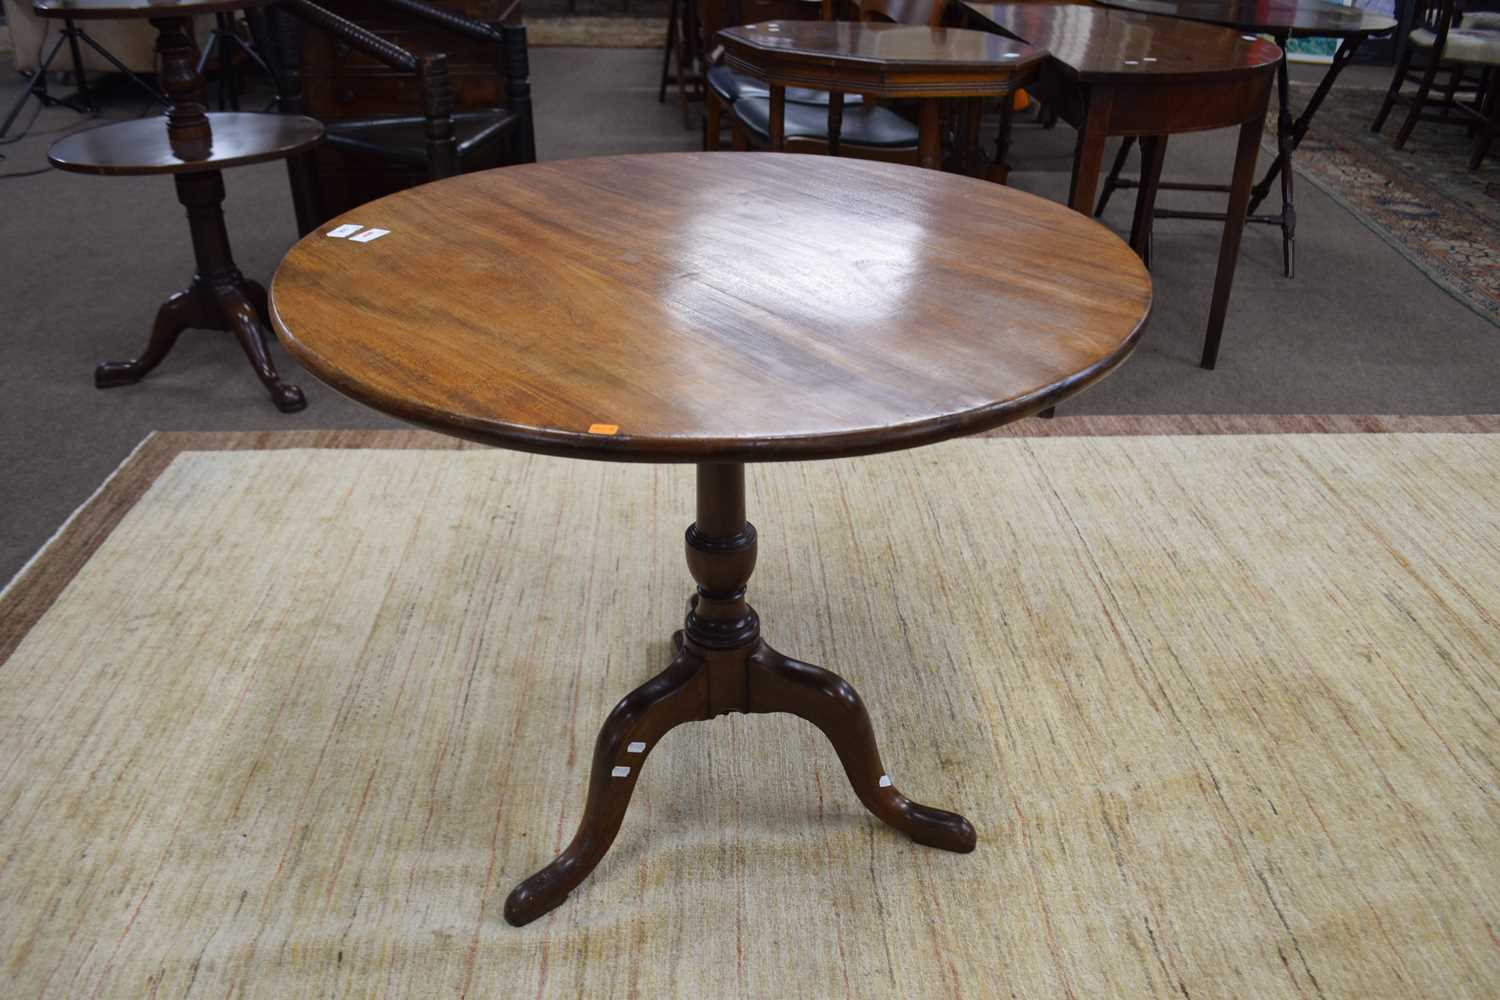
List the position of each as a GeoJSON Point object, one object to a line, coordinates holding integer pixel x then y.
{"type": "Point", "coordinates": [286, 716]}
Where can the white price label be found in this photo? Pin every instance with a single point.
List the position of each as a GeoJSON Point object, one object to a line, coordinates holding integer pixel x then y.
{"type": "Point", "coordinates": [368, 235]}
{"type": "Point", "coordinates": [348, 229]}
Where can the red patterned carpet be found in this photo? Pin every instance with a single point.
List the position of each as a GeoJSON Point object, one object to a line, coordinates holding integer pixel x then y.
{"type": "Point", "coordinates": [1422, 200]}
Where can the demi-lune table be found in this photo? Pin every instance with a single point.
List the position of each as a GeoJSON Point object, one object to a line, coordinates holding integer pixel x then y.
{"type": "Point", "coordinates": [1118, 73]}
{"type": "Point", "coordinates": [1282, 20]}
{"type": "Point", "coordinates": [195, 147]}
{"type": "Point", "coordinates": [718, 309]}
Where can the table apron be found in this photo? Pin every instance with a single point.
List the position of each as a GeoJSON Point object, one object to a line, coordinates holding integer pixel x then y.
{"type": "Point", "coordinates": [882, 82]}
{"type": "Point", "coordinates": [1162, 108]}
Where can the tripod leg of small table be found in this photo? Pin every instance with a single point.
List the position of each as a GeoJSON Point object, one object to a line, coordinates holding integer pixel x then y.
{"type": "Point", "coordinates": [256, 292]}
{"type": "Point", "coordinates": [674, 696]}
{"type": "Point", "coordinates": [240, 314]}
{"type": "Point", "coordinates": [781, 684]}
{"type": "Point", "coordinates": [186, 309]}
{"type": "Point", "coordinates": [262, 303]}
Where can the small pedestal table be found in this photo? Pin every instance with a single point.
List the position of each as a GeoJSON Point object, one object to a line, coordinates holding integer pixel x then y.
{"type": "Point", "coordinates": [194, 146]}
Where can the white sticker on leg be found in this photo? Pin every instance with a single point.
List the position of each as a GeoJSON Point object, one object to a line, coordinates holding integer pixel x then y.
{"type": "Point", "coordinates": [636, 747]}
{"type": "Point", "coordinates": [620, 772]}
{"type": "Point", "coordinates": [885, 781]}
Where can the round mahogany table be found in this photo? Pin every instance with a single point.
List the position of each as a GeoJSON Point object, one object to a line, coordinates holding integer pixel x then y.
{"type": "Point", "coordinates": [714, 308]}
{"type": "Point", "coordinates": [194, 146]}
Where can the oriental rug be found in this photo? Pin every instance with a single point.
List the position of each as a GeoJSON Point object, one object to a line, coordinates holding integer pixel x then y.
{"type": "Point", "coordinates": [1422, 200]}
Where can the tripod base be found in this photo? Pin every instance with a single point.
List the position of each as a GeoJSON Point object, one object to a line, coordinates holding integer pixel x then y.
{"type": "Point", "coordinates": [721, 666]}
{"type": "Point", "coordinates": [220, 298]}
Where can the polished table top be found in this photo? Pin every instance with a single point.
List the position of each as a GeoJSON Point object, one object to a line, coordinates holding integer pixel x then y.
{"type": "Point", "coordinates": [1295, 18]}
{"type": "Point", "coordinates": [144, 146]}
{"type": "Point", "coordinates": [1096, 43]}
{"type": "Point", "coordinates": [711, 306]}
{"type": "Point", "coordinates": [910, 45]}
{"type": "Point", "coordinates": [83, 9]}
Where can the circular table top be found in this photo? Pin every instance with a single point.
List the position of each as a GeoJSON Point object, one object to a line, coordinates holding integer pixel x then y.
{"type": "Point", "coordinates": [142, 146]}
{"type": "Point", "coordinates": [83, 9]}
{"type": "Point", "coordinates": [698, 307]}
{"type": "Point", "coordinates": [1097, 43]}
{"type": "Point", "coordinates": [1295, 18]}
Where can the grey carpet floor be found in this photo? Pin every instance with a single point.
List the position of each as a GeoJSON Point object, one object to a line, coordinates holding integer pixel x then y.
{"type": "Point", "coordinates": [88, 259]}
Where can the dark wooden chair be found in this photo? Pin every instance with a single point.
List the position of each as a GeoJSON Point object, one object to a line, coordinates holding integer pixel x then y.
{"type": "Point", "coordinates": [438, 141]}
{"type": "Point", "coordinates": [1451, 43]}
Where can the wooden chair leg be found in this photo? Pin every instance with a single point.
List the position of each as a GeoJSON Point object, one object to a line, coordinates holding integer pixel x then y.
{"type": "Point", "coordinates": [1491, 124]}
{"type": "Point", "coordinates": [713, 111]}
{"type": "Point", "coordinates": [1450, 92]}
{"type": "Point", "coordinates": [1418, 102]}
{"type": "Point", "coordinates": [777, 125]}
{"type": "Point", "coordinates": [1403, 67]}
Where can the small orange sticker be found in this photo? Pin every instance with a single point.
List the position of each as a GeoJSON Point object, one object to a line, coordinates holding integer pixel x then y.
{"type": "Point", "coordinates": [604, 428]}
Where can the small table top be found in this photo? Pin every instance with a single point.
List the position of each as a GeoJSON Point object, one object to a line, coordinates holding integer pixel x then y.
{"type": "Point", "coordinates": [142, 146]}
{"type": "Point", "coordinates": [891, 59]}
{"type": "Point", "coordinates": [1293, 18]}
{"type": "Point", "coordinates": [1096, 43]}
{"type": "Point", "coordinates": [700, 307]}
{"type": "Point", "coordinates": [84, 9]}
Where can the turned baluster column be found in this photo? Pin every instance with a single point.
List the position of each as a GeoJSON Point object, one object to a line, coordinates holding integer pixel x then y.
{"type": "Point", "coordinates": [721, 626]}
{"type": "Point", "coordinates": [187, 117]}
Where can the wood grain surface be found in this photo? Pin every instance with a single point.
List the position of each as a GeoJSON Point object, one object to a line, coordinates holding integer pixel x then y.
{"type": "Point", "coordinates": [83, 9]}
{"type": "Point", "coordinates": [143, 145]}
{"type": "Point", "coordinates": [712, 306]}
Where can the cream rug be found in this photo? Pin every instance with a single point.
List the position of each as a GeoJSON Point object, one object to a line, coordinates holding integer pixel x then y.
{"type": "Point", "coordinates": [290, 721]}
{"type": "Point", "coordinates": [597, 32]}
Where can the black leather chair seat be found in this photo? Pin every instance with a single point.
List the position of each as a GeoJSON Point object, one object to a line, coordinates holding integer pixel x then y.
{"type": "Point", "coordinates": [869, 125]}
{"type": "Point", "coordinates": [731, 86]}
